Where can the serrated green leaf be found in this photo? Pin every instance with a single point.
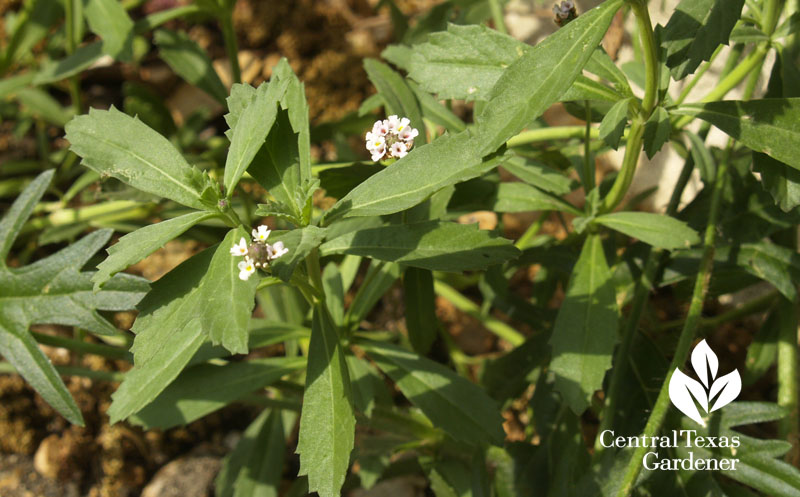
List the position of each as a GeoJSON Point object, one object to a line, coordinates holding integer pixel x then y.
{"type": "Point", "coordinates": [138, 156]}
{"type": "Point", "coordinates": [205, 388]}
{"type": "Point", "coordinates": [138, 244]}
{"type": "Point", "coordinates": [770, 126]}
{"type": "Point", "coordinates": [434, 245]}
{"type": "Point", "coordinates": [397, 96]}
{"type": "Point", "coordinates": [656, 131]}
{"type": "Point", "coordinates": [409, 181]}
{"type": "Point", "coordinates": [695, 30]}
{"type": "Point", "coordinates": [255, 466]}
{"type": "Point", "coordinates": [420, 309]}
{"type": "Point", "coordinates": [654, 229]}
{"type": "Point", "coordinates": [190, 62]}
{"type": "Point", "coordinates": [613, 124]}
{"type": "Point", "coordinates": [452, 403]}
{"type": "Point", "coordinates": [464, 62]}
{"type": "Point", "coordinates": [53, 291]}
{"type": "Point", "coordinates": [327, 422]}
{"type": "Point", "coordinates": [520, 197]}
{"type": "Point", "coordinates": [538, 78]}
{"type": "Point", "coordinates": [585, 331]}
{"type": "Point", "coordinates": [109, 20]}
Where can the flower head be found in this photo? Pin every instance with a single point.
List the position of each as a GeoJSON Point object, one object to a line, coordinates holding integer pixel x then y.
{"type": "Point", "coordinates": [391, 137]}
{"type": "Point", "coordinates": [565, 12]}
{"type": "Point", "coordinates": [277, 250]}
{"type": "Point", "coordinates": [240, 249]}
{"type": "Point", "coordinates": [246, 268]}
{"type": "Point", "coordinates": [261, 233]}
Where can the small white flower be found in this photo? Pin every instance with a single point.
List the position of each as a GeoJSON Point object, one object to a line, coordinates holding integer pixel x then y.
{"type": "Point", "coordinates": [408, 134]}
{"type": "Point", "coordinates": [380, 128]}
{"type": "Point", "coordinates": [399, 150]}
{"type": "Point", "coordinates": [392, 123]}
{"type": "Point", "coordinates": [375, 142]}
{"type": "Point", "coordinates": [402, 125]}
{"type": "Point", "coordinates": [277, 250]}
{"type": "Point", "coordinates": [262, 233]}
{"type": "Point", "coordinates": [246, 268]}
{"type": "Point", "coordinates": [240, 249]}
{"type": "Point", "coordinates": [378, 153]}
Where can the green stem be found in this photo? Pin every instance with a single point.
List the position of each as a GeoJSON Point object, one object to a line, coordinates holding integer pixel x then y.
{"type": "Point", "coordinates": [8, 368]}
{"type": "Point", "coordinates": [625, 177]}
{"type": "Point", "coordinates": [756, 305]}
{"type": "Point", "coordinates": [697, 76]}
{"type": "Point", "coordinates": [83, 347]}
{"type": "Point", "coordinates": [71, 21]}
{"type": "Point", "coordinates": [532, 230]}
{"type": "Point", "coordinates": [109, 211]}
{"type": "Point", "coordinates": [651, 65]}
{"type": "Point", "coordinates": [588, 169]}
{"type": "Point", "coordinates": [464, 304]}
{"type": "Point", "coordinates": [497, 16]}
{"type": "Point", "coordinates": [770, 16]}
{"type": "Point", "coordinates": [687, 334]}
{"type": "Point", "coordinates": [231, 46]}
{"type": "Point", "coordinates": [547, 134]}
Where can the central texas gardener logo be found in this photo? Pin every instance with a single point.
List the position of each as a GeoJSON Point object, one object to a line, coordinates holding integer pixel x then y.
{"type": "Point", "coordinates": [713, 393]}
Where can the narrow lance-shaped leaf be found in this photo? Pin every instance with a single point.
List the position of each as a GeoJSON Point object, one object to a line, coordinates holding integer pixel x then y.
{"type": "Point", "coordinates": [420, 309]}
{"type": "Point", "coordinates": [695, 30]}
{"type": "Point", "coordinates": [20, 211]}
{"type": "Point", "coordinates": [434, 245]}
{"type": "Point", "coordinates": [190, 62]}
{"type": "Point", "coordinates": [138, 156]}
{"type": "Point", "coordinates": [770, 126]}
{"type": "Point", "coordinates": [586, 328]}
{"type": "Point", "coordinates": [109, 20]}
{"type": "Point", "coordinates": [613, 125]}
{"type": "Point", "coordinates": [327, 422]}
{"type": "Point", "coordinates": [454, 404]}
{"type": "Point", "coordinates": [656, 131]}
{"type": "Point", "coordinates": [138, 244]}
{"type": "Point", "coordinates": [538, 78]}
{"type": "Point", "coordinates": [519, 197]}
{"type": "Point", "coordinates": [655, 229]}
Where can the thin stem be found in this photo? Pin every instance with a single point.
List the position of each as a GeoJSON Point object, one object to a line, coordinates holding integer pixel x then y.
{"type": "Point", "coordinates": [623, 181]}
{"type": "Point", "coordinates": [532, 230]}
{"type": "Point", "coordinates": [547, 134]}
{"type": "Point", "coordinates": [231, 46]}
{"type": "Point", "coordinates": [588, 167]}
{"type": "Point", "coordinates": [751, 307]}
{"type": "Point", "coordinates": [83, 347]}
{"type": "Point", "coordinates": [8, 368]}
{"type": "Point", "coordinates": [651, 65]}
{"type": "Point", "coordinates": [770, 15]}
{"type": "Point", "coordinates": [497, 16]}
{"type": "Point", "coordinates": [464, 304]}
{"type": "Point", "coordinates": [71, 24]}
{"type": "Point", "coordinates": [687, 334]}
{"type": "Point", "coordinates": [697, 76]}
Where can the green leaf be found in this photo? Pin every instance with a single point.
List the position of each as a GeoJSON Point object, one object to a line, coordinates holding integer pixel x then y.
{"type": "Point", "coordinates": [43, 106]}
{"type": "Point", "coordinates": [33, 22]}
{"type": "Point", "coordinates": [778, 265]}
{"type": "Point", "coordinates": [584, 88]}
{"type": "Point", "coordinates": [600, 64]}
{"type": "Point", "coordinates": [380, 277]}
{"type": "Point", "coordinates": [695, 30]}
{"type": "Point", "coordinates": [702, 158]}
{"type": "Point", "coordinates": [420, 309]}
{"type": "Point", "coordinates": [80, 60]}
{"type": "Point", "coordinates": [138, 156]}
{"type": "Point", "coordinates": [770, 126]}
{"type": "Point", "coordinates": [333, 287]}
{"type": "Point", "coordinates": [255, 466]}
{"type": "Point", "coordinates": [180, 313]}
{"type": "Point", "coordinates": [300, 243]}
{"type": "Point", "coordinates": [763, 350]}
{"type": "Point", "coordinates": [656, 131]}
{"type": "Point", "coordinates": [613, 124]}
{"type": "Point", "coordinates": [250, 129]}
{"type": "Point", "coordinates": [434, 245]}
{"type": "Point", "coordinates": [459, 407]}
{"type": "Point", "coordinates": [109, 20]}
{"type": "Point", "coordinates": [425, 170]}
{"type": "Point", "coordinates": [397, 96]}
{"type": "Point", "coordinates": [327, 422]}
{"type": "Point", "coordinates": [53, 291]}
{"type": "Point", "coordinates": [205, 388]}
{"type": "Point", "coordinates": [539, 175]}
{"type": "Point", "coordinates": [654, 229]}
{"type": "Point", "coordinates": [585, 331]}
{"type": "Point", "coordinates": [137, 245]}
{"type": "Point", "coordinates": [464, 62]}
{"type": "Point", "coordinates": [538, 78]}
{"type": "Point", "coordinates": [190, 62]}
{"type": "Point", "coordinates": [368, 385]}
{"type": "Point", "coordinates": [520, 197]}
{"type": "Point", "coordinates": [436, 112]}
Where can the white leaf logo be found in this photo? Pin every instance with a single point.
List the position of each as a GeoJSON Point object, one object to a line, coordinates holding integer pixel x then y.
{"type": "Point", "coordinates": [687, 393]}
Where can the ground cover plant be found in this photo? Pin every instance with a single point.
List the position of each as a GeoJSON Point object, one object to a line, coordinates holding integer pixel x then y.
{"type": "Point", "coordinates": [580, 391]}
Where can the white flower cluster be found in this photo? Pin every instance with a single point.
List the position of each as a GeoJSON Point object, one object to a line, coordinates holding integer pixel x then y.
{"type": "Point", "coordinates": [392, 137]}
{"type": "Point", "coordinates": [258, 253]}
{"type": "Point", "coordinates": [564, 12]}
